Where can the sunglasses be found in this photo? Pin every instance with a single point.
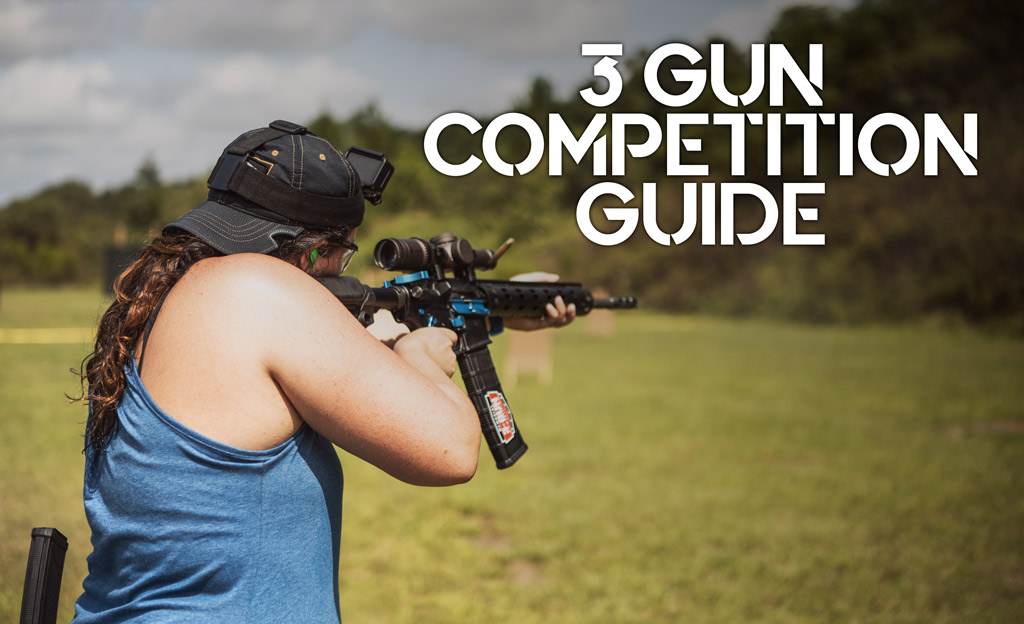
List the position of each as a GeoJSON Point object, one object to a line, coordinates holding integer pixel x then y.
{"type": "Point", "coordinates": [350, 250]}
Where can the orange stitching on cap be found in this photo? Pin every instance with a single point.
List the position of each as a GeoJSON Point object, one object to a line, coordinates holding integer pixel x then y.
{"type": "Point", "coordinates": [351, 177]}
{"type": "Point", "coordinates": [351, 171]}
{"type": "Point", "coordinates": [292, 137]}
{"type": "Point", "coordinates": [266, 162]}
{"type": "Point", "coordinates": [348, 166]}
{"type": "Point", "coordinates": [302, 158]}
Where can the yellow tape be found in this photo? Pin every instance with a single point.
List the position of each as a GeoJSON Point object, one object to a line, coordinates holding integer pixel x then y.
{"type": "Point", "coordinates": [47, 335]}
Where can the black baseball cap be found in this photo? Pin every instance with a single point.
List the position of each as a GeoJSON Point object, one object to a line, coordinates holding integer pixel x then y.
{"type": "Point", "coordinates": [274, 182]}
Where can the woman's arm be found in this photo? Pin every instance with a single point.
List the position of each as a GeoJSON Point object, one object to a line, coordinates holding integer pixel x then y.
{"type": "Point", "coordinates": [398, 410]}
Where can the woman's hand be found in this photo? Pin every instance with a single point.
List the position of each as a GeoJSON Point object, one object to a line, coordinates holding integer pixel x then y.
{"type": "Point", "coordinates": [428, 350]}
{"type": "Point", "coordinates": [557, 314]}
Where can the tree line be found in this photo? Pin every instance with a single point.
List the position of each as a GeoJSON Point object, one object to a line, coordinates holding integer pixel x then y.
{"type": "Point", "coordinates": [898, 248]}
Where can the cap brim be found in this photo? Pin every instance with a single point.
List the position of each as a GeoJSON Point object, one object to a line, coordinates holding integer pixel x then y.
{"type": "Point", "coordinates": [232, 231]}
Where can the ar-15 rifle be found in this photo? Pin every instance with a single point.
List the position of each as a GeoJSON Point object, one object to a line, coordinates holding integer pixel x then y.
{"type": "Point", "coordinates": [425, 296]}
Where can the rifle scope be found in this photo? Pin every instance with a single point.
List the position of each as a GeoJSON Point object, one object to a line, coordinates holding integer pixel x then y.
{"type": "Point", "coordinates": [446, 251]}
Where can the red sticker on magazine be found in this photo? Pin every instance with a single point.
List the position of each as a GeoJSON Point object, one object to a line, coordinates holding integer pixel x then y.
{"type": "Point", "coordinates": [501, 415]}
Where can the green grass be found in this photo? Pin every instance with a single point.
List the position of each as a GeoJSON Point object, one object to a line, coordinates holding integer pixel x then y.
{"type": "Point", "coordinates": [53, 307]}
{"type": "Point", "coordinates": [693, 470]}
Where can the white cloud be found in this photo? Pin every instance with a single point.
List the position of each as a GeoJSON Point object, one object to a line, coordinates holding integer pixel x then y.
{"type": "Point", "coordinates": [19, 25]}
{"type": "Point", "coordinates": [56, 95]}
{"type": "Point", "coordinates": [87, 89]}
{"type": "Point", "coordinates": [250, 24]}
{"type": "Point", "coordinates": [64, 119]}
{"type": "Point", "coordinates": [257, 89]}
{"type": "Point", "coordinates": [499, 28]}
{"type": "Point", "coordinates": [750, 23]}
{"type": "Point", "coordinates": [34, 28]}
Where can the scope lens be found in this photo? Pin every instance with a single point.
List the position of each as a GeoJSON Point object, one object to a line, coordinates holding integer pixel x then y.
{"type": "Point", "coordinates": [402, 254]}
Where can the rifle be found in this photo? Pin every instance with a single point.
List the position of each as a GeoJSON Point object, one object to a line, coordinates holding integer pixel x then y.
{"type": "Point", "coordinates": [426, 296]}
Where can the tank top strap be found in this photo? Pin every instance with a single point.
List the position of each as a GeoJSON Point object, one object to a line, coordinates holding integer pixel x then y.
{"type": "Point", "coordinates": [149, 328]}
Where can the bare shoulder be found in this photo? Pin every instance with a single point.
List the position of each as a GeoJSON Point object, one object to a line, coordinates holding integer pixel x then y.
{"type": "Point", "coordinates": [257, 300]}
{"type": "Point", "coordinates": [253, 285]}
{"type": "Point", "coordinates": [225, 326]}
{"type": "Point", "coordinates": [243, 275]}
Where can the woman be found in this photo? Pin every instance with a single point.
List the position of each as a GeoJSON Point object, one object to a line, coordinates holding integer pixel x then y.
{"type": "Point", "coordinates": [222, 377]}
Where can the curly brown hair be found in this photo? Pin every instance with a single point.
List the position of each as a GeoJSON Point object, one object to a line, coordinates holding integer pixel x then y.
{"type": "Point", "coordinates": [138, 290]}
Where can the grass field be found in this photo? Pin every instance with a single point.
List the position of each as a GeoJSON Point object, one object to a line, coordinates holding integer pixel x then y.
{"type": "Point", "coordinates": [686, 470]}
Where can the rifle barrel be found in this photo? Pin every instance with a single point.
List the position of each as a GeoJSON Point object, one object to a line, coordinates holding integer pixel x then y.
{"type": "Point", "coordinates": [615, 302]}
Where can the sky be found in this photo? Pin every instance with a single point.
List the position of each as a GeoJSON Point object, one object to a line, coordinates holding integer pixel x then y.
{"type": "Point", "coordinates": [88, 90]}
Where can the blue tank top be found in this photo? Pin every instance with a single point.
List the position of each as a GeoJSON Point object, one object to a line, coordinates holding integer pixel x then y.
{"type": "Point", "coordinates": [186, 529]}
